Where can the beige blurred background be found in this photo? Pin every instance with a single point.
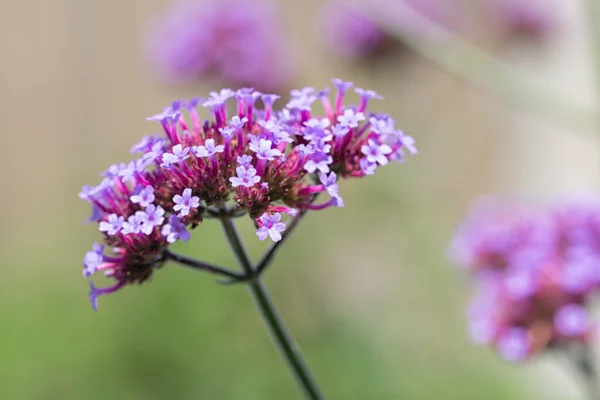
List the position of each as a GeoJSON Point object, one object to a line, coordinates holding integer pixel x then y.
{"type": "Point", "coordinates": [75, 88]}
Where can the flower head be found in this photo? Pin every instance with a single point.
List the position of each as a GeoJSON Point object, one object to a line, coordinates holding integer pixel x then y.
{"type": "Point", "coordinates": [238, 40]}
{"type": "Point", "coordinates": [535, 270]}
{"type": "Point", "coordinates": [268, 163]}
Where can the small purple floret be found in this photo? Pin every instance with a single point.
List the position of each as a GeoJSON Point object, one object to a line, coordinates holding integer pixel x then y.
{"type": "Point", "coordinates": [175, 230]}
{"type": "Point", "coordinates": [271, 227]}
{"type": "Point", "coordinates": [185, 202]}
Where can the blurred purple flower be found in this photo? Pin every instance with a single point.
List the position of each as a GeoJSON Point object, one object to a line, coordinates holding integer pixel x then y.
{"type": "Point", "coordinates": [240, 41]}
{"type": "Point", "coordinates": [350, 33]}
{"type": "Point", "coordinates": [535, 271]}
{"type": "Point", "coordinates": [524, 18]}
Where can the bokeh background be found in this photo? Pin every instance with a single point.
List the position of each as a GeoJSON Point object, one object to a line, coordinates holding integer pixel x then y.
{"type": "Point", "coordinates": [366, 290]}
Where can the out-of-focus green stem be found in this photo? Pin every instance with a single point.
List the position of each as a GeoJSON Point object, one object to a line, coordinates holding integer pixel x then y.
{"type": "Point", "coordinates": [282, 339]}
{"type": "Point", "coordinates": [476, 66]}
{"type": "Point", "coordinates": [582, 357]}
{"type": "Point", "coordinates": [593, 12]}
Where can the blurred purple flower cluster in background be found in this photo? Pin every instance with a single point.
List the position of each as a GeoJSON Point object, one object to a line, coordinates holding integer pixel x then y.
{"type": "Point", "coordinates": [239, 41]}
{"type": "Point", "coordinates": [348, 32]}
{"type": "Point", "coordinates": [535, 272]}
{"type": "Point", "coordinates": [533, 19]}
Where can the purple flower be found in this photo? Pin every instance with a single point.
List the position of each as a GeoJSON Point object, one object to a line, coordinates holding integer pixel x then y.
{"type": "Point", "coordinates": [227, 132]}
{"type": "Point", "coordinates": [275, 150]}
{"type": "Point", "coordinates": [533, 267]}
{"type": "Point", "coordinates": [366, 95]}
{"type": "Point", "coordinates": [367, 167]}
{"type": "Point", "coordinates": [305, 91]}
{"type": "Point", "coordinates": [318, 161]}
{"type": "Point", "coordinates": [93, 259]}
{"type": "Point", "coordinates": [218, 98]}
{"type": "Point", "coordinates": [97, 292]}
{"type": "Point", "coordinates": [517, 18]}
{"type": "Point", "coordinates": [339, 130]}
{"type": "Point", "coordinates": [317, 123]}
{"type": "Point", "coordinates": [264, 151]}
{"type": "Point", "coordinates": [209, 149]}
{"type": "Point", "coordinates": [342, 86]}
{"type": "Point", "coordinates": [270, 226]}
{"type": "Point", "coordinates": [134, 223]}
{"type": "Point", "coordinates": [144, 197]}
{"type": "Point", "coordinates": [153, 216]}
{"type": "Point", "coordinates": [350, 118]}
{"type": "Point", "coordinates": [244, 160]}
{"type": "Point", "coordinates": [113, 170]}
{"type": "Point", "coordinates": [407, 141]}
{"type": "Point", "coordinates": [113, 225]}
{"type": "Point", "coordinates": [375, 152]}
{"type": "Point", "coordinates": [175, 230]}
{"type": "Point", "coordinates": [514, 345]}
{"type": "Point", "coordinates": [482, 326]}
{"type": "Point", "coordinates": [238, 40]}
{"type": "Point", "coordinates": [301, 103]}
{"type": "Point", "coordinates": [237, 123]}
{"type": "Point", "coordinates": [382, 126]}
{"type": "Point", "coordinates": [147, 144]}
{"type": "Point", "coordinates": [128, 172]}
{"type": "Point", "coordinates": [305, 150]}
{"type": "Point", "coordinates": [245, 177]}
{"type": "Point", "coordinates": [330, 183]}
{"type": "Point", "coordinates": [269, 99]}
{"type": "Point", "coordinates": [185, 201]}
{"type": "Point", "coordinates": [579, 273]}
{"type": "Point", "coordinates": [179, 154]}
{"type": "Point", "coordinates": [520, 283]}
{"type": "Point", "coordinates": [169, 113]}
{"type": "Point", "coordinates": [154, 153]}
{"type": "Point", "coordinates": [349, 33]}
{"type": "Point", "coordinates": [572, 320]}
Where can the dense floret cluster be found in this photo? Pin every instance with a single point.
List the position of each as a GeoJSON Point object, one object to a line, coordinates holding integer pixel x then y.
{"type": "Point", "coordinates": [535, 270]}
{"type": "Point", "coordinates": [264, 162]}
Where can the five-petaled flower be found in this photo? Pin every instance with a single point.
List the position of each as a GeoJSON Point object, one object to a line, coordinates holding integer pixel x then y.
{"type": "Point", "coordinates": [185, 202]}
{"type": "Point", "coordinates": [271, 226]}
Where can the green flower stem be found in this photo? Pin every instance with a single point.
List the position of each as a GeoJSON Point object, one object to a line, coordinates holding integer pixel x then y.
{"type": "Point", "coordinates": [282, 339]}
{"type": "Point", "coordinates": [593, 11]}
{"type": "Point", "coordinates": [202, 266]}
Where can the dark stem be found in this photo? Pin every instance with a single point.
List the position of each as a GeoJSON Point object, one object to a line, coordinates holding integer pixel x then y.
{"type": "Point", "coordinates": [283, 341]}
{"type": "Point", "coordinates": [202, 266]}
{"type": "Point", "coordinates": [583, 360]}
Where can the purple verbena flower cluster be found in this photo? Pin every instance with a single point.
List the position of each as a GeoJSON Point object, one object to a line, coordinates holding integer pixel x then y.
{"type": "Point", "coordinates": [265, 162]}
{"type": "Point", "coordinates": [240, 41]}
{"type": "Point", "coordinates": [535, 272]}
{"type": "Point", "coordinates": [348, 32]}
